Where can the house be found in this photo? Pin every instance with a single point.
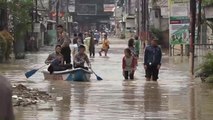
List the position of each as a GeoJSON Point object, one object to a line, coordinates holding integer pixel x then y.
{"type": "Point", "coordinates": [126, 20]}
{"type": "Point", "coordinates": [93, 14]}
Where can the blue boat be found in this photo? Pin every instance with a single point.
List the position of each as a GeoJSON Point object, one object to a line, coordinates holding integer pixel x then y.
{"type": "Point", "coordinates": [78, 74]}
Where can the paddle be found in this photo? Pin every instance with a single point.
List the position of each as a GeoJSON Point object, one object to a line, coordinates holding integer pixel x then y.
{"type": "Point", "coordinates": [97, 77]}
{"type": "Point", "coordinates": [32, 72]}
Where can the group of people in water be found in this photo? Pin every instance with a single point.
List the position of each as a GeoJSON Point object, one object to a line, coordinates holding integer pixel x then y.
{"type": "Point", "coordinates": [130, 59]}
{"type": "Point", "coordinates": [61, 59]}
{"type": "Point", "coordinates": [152, 59]}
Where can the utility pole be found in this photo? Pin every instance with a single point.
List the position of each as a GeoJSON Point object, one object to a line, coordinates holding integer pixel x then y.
{"type": "Point", "coordinates": [143, 21]}
{"type": "Point", "coordinates": [67, 17]}
{"type": "Point", "coordinates": [138, 17]}
{"type": "Point", "coordinates": [199, 21]}
{"type": "Point", "coordinates": [57, 10]}
{"type": "Point", "coordinates": [192, 35]}
{"type": "Point", "coordinates": [36, 11]}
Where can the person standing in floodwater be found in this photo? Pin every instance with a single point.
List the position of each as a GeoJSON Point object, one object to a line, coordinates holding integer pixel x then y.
{"type": "Point", "coordinates": [91, 46]}
{"type": "Point", "coordinates": [97, 36]}
{"type": "Point", "coordinates": [128, 64]}
{"type": "Point", "coordinates": [152, 60]}
{"type": "Point", "coordinates": [131, 46]}
{"type": "Point", "coordinates": [137, 46]}
{"type": "Point", "coordinates": [105, 46]}
{"type": "Point", "coordinates": [64, 41]}
{"type": "Point", "coordinates": [6, 107]}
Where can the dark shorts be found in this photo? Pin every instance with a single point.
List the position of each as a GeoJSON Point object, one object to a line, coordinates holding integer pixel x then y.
{"type": "Point", "coordinates": [128, 75]}
{"type": "Point", "coordinates": [152, 72]}
{"type": "Point", "coordinates": [66, 52]}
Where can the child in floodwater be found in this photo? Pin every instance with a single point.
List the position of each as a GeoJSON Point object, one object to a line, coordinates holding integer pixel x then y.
{"type": "Point", "coordinates": [129, 63]}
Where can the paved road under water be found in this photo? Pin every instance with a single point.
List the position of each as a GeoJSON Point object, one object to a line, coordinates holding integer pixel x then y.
{"type": "Point", "coordinates": [174, 97]}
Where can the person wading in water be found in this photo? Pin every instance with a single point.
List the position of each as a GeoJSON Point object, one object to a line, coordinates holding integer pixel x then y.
{"type": "Point", "coordinates": [152, 60]}
{"type": "Point", "coordinates": [105, 46]}
{"type": "Point", "coordinates": [64, 41]}
{"type": "Point", "coordinates": [91, 46]}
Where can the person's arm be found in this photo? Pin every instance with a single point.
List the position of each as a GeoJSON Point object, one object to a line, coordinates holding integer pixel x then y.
{"type": "Point", "coordinates": [134, 63]}
{"type": "Point", "coordinates": [62, 60]}
{"type": "Point", "coordinates": [145, 56]}
{"type": "Point", "coordinates": [87, 61]}
{"type": "Point", "coordinates": [160, 58]}
{"type": "Point", "coordinates": [48, 60]}
{"type": "Point", "coordinates": [123, 63]}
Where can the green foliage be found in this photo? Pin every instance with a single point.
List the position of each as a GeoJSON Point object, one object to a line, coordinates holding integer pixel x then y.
{"type": "Point", "coordinates": [19, 9]}
{"type": "Point", "coordinates": [157, 33]}
{"type": "Point", "coordinates": [205, 71]}
{"type": "Point", "coordinates": [207, 2]}
{"type": "Point", "coordinates": [207, 66]}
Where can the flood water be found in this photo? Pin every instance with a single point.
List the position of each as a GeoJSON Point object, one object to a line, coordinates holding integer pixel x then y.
{"type": "Point", "coordinates": [174, 97]}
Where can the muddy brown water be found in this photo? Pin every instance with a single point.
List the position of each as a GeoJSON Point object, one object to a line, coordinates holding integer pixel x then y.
{"type": "Point", "coordinates": [174, 97]}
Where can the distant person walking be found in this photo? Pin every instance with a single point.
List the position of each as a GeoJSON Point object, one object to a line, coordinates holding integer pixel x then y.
{"type": "Point", "coordinates": [91, 46]}
{"type": "Point", "coordinates": [64, 41]}
{"type": "Point", "coordinates": [75, 45]}
{"type": "Point", "coordinates": [137, 46]}
{"type": "Point", "coordinates": [152, 60]}
{"type": "Point", "coordinates": [105, 46]}
{"type": "Point", "coordinates": [80, 38]}
{"type": "Point", "coordinates": [97, 36]}
{"type": "Point", "coordinates": [6, 107]}
{"type": "Point", "coordinates": [131, 46]}
{"type": "Point", "coordinates": [128, 64]}
{"type": "Point", "coordinates": [87, 41]}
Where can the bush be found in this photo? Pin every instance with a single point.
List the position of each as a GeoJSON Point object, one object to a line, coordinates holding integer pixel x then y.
{"type": "Point", "coordinates": [205, 71]}
{"type": "Point", "coordinates": [157, 33]}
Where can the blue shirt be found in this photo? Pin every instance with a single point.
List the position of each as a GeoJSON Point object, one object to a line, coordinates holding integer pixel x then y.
{"type": "Point", "coordinates": [152, 56]}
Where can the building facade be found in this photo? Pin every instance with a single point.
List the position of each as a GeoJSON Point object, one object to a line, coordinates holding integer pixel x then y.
{"type": "Point", "coordinates": [93, 14]}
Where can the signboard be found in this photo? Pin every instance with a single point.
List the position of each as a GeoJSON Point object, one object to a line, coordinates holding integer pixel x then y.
{"type": "Point", "coordinates": [109, 7]}
{"type": "Point", "coordinates": [87, 9]}
{"type": "Point", "coordinates": [71, 7]}
{"type": "Point", "coordinates": [179, 22]}
{"type": "Point", "coordinates": [37, 27]}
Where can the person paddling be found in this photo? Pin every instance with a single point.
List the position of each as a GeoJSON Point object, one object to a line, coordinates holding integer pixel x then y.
{"type": "Point", "coordinates": [80, 58]}
{"type": "Point", "coordinates": [56, 61]}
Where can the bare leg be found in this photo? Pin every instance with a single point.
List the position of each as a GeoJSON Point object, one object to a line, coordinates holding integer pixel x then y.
{"type": "Point", "coordinates": [101, 52]}
{"type": "Point", "coordinates": [106, 51]}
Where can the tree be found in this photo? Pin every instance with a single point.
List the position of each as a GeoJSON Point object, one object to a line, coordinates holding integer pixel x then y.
{"type": "Point", "coordinates": [19, 10]}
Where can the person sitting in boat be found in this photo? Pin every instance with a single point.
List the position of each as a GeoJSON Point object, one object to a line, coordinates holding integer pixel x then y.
{"type": "Point", "coordinates": [56, 61]}
{"type": "Point", "coordinates": [80, 58]}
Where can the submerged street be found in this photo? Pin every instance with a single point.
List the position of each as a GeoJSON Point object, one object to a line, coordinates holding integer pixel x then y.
{"type": "Point", "coordinates": [176, 96]}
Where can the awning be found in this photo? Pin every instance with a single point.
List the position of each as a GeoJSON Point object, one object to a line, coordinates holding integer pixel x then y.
{"type": "Point", "coordinates": [109, 7]}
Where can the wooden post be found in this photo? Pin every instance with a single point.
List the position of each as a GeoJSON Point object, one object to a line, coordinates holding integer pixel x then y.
{"type": "Point", "coordinates": [192, 35]}
{"type": "Point", "coordinates": [181, 47]}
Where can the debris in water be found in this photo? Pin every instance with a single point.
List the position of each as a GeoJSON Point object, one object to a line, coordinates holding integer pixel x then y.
{"type": "Point", "coordinates": [23, 96]}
